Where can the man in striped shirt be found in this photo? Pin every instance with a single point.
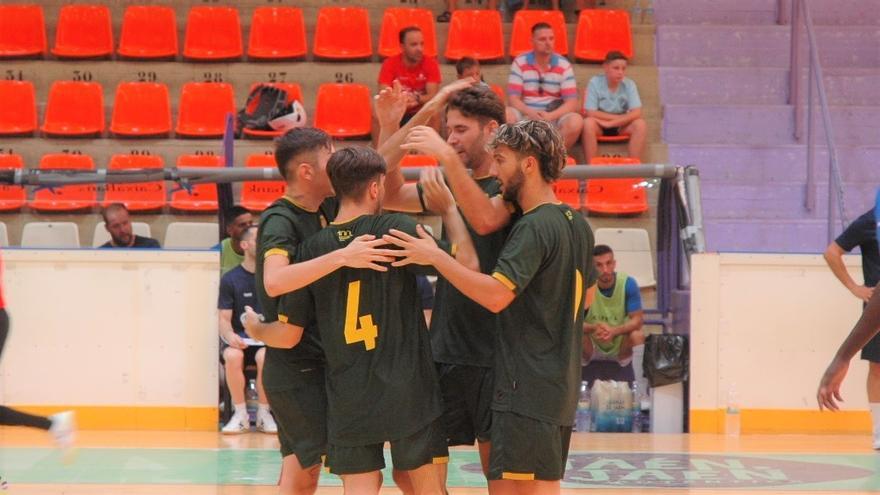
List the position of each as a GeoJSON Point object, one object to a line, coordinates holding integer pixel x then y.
{"type": "Point", "coordinates": [542, 86]}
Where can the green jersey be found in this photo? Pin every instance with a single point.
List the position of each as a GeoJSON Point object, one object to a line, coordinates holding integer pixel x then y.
{"type": "Point", "coordinates": [284, 225]}
{"type": "Point", "coordinates": [610, 310]}
{"type": "Point", "coordinates": [229, 259]}
{"type": "Point", "coordinates": [381, 382]}
{"type": "Point", "coordinates": [547, 262]}
{"type": "Point", "coordinates": [462, 331]}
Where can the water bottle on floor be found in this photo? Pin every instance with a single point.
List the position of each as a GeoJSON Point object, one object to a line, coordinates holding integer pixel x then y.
{"type": "Point", "coordinates": [252, 400]}
{"type": "Point", "coordinates": [582, 416]}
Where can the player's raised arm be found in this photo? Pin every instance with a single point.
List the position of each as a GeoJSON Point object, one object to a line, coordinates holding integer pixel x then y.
{"type": "Point", "coordinates": [278, 334]}
{"type": "Point", "coordinates": [439, 199]}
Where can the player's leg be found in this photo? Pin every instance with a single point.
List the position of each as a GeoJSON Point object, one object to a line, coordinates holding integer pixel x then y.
{"type": "Point", "coordinates": [422, 456]}
{"type": "Point", "coordinates": [638, 135]}
{"type": "Point", "coordinates": [297, 480]}
{"type": "Point", "coordinates": [426, 480]}
{"type": "Point", "coordinates": [401, 479]}
{"type": "Point", "coordinates": [359, 467]}
{"type": "Point", "coordinates": [265, 422]}
{"type": "Point", "coordinates": [570, 127]}
{"type": "Point", "coordinates": [588, 349]}
{"type": "Point", "coordinates": [874, 400]}
{"type": "Point", "coordinates": [362, 483]}
{"type": "Point", "coordinates": [234, 365]}
{"type": "Point", "coordinates": [632, 339]}
{"type": "Point", "coordinates": [590, 138]}
{"type": "Point", "coordinates": [528, 455]}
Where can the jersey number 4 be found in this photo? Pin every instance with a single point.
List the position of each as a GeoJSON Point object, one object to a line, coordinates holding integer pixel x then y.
{"type": "Point", "coordinates": [358, 329]}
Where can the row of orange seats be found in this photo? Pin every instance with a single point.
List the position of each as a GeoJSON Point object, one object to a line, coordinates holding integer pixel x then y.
{"type": "Point", "coordinates": [341, 33]}
{"type": "Point", "coordinates": [143, 109]}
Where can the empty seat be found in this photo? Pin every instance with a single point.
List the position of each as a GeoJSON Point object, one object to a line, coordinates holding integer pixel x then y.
{"type": "Point", "coordinates": [74, 109]}
{"type": "Point", "coordinates": [148, 32]}
{"type": "Point", "coordinates": [83, 31]}
{"type": "Point", "coordinates": [136, 196]}
{"type": "Point", "coordinates": [191, 235]}
{"type": "Point", "coordinates": [22, 31]}
{"type": "Point", "coordinates": [101, 236]}
{"type": "Point", "coordinates": [277, 33]}
{"type": "Point", "coordinates": [569, 192]}
{"type": "Point", "coordinates": [600, 31]}
{"type": "Point", "coordinates": [395, 19]}
{"type": "Point", "coordinates": [343, 33]}
{"type": "Point", "coordinates": [65, 198]}
{"type": "Point", "coordinates": [141, 109]}
{"type": "Point", "coordinates": [521, 38]}
{"type": "Point", "coordinates": [11, 197]}
{"type": "Point", "coordinates": [616, 196]}
{"type": "Point", "coordinates": [417, 160]}
{"type": "Point", "coordinates": [257, 195]}
{"type": "Point", "coordinates": [204, 196]}
{"type": "Point", "coordinates": [343, 110]}
{"type": "Point", "coordinates": [212, 33]}
{"type": "Point", "coordinates": [293, 93]}
{"type": "Point", "coordinates": [59, 235]}
{"type": "Point", "coordinates": [18, 113]}
{"type": "Point", "coordinates": [632, 250]}
{"type": "Point", "coordinates": [475, 33]}
{"type": "Point", "coordinates": [203, 108]}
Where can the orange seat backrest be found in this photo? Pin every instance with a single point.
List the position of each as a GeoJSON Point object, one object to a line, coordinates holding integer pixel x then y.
{"type": "Point", "coordinates": [18, 113]}
{"type": "Point", "coordinates": [277, 32]}
{"type": "Point", "coordinates": [11, 197]}
{"type": "Point", "coordinates": [141, 109]}
{"type": "Point", "coordinates": [74, 108]}
{"type": "Point", "coordinates": [83, 31]}
{"type": "Point", "coordinates": [343, 33]}
{"type": "Point", "coordinates": [204, 196]}
{"type": "Point", "coordinates": [148, 31]}
{"type": "Point", "coordinates": [475, 33]}
{"type": "Point", "coordinates": [203, 108]}
{"type": "Point", "coordinates": [395, 19]}
{"type": "Point", "coordinates": [521, 38]}
{"type": "Point", "coordinates": [411, 160]}
{"type": "Point", "coordinates": [66, 198]}
{"type": "Point", "coordinates": [600, 31]}
{"type": "Point", "coordinates": [212, 33]}
{"type": "Point", "coordinates": [623, 195]}
{"type": "Point", "coordinates": [344, 110]}
{"type": "Point", "coordinates": [136, 196]}
{"type": "Point", "coordinates": [22, 31]}
{"type": "Point", "coordinates": [257, 195]}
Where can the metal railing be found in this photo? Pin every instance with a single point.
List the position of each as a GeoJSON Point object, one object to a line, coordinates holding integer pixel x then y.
{"type": "Point", "coordinates": [799, 15]}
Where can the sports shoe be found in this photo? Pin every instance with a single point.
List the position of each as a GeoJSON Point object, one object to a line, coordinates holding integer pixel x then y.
{"type": "Point", "coordinates": [266, 423]}
{"type": "Point", "coordinates": [63, 429]}
{"type": "Point", "coordinates": [238, 423]}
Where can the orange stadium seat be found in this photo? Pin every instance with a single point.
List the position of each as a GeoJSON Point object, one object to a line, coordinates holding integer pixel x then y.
{"type": "Point", "coordinates": [74, 109]}
{"type": "Point", "coordinates": [620, 138]}
{"type": "Point", "coordinates": [22, 31]}
{"type": "Point", "coordinates": [475, 33]}
{"type": "Point", "coordinates": [500, 91]}
{"type": "Point", "coordinates": [257, 195]}
{"type": "Point", "coordinates": [344, 110]}
{"type": "Point", "coordinates": [141, 109]}
{"type": "Point", "coordinates": [416, 160]}
{"type": "Point", "coordinates": [521, 39]}
{"type": "Point", "coordinates": [203, 108]}
{"type": "Point", "coordinates": [293, 93]}
{"type": "Point", "coordinates": [620, 196]}
{"type": "Point", "coordinates": [277, 33]}
{"type": "Point", "coordinates": [12, 197]}
{"type": "Point", "coordinates": [343, 33]}
{"type": "Point", "coordinates": [395, 19]}
{"type": "Point", "coordinates": [212, 33]}
{"type": "Point", "coordinates": [204, 196]}
{"type": "Point", "coordinates": [66, 198]}
{"type": "Point", "coordinates": [600, 31]}
{"type": "Point", "coordinates": [18, 112]}
{"type": "Point", "coordinates": [137, 196]}
{"type": "Point", "coordinates": [148, 32]}
{"type": "Point", "coordinates": [83, 31]}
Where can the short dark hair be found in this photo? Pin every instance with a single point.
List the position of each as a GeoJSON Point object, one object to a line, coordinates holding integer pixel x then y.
{"type": "Point", "coordinates": [538, 139]}
{"type": "Point", "coordinates": [614, 55]}
{"type": "Point", "coordinates": [111, 208]}
{"type": "Point", "coordinates": [234, 212]}
{"type": "Point", "coordinates": [601, 249]}
{"type": "Point", "coordinates": [401, 36]}
{"type": "Point", "coordinates": [540, 25]}
{"type": "Point", "coordinates": [297, 142]}
{"type": "Point", "coordinates": [351, 170]}
{"type": "Point", "coordinates": [465, 63]}
{"type": "Point", "coordinates": [478, 102]}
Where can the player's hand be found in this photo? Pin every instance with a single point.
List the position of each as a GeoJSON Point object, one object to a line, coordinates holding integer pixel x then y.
{"type": "Point", "coordinates": [365, 252]}
{"type": "Point", "coordinates": [605, 124]}
{"type": "Point", "coordinates": [438, 198]}
{"type": "Point", "coordinates": [862, 292]}
{"type": "Point", "coordinates": [412, 100]}
{"type": "Point", "coordinates": [603, 333]}
{"type": "Point", "coordinates": [419, 250]}
{"type": "Point", "coordinates": [250, 320]}
{"type": "Point", "coordinates": [829, 386]}
{"type": "Point", "coordinates": [391, 105]}
{"type": "Point", "coordinates": [425, 140]}
{"type": "Point", "coordinates": [235, 341]}
{"type": "Point", "coordinates": [458, 85]}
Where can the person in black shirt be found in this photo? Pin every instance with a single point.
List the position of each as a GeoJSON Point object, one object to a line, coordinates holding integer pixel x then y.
{"type": "Point", "coordinates": [117, 221]}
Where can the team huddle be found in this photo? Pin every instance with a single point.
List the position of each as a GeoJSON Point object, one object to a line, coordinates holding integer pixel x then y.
{"type": "Point", "coordinates": [350, 361]}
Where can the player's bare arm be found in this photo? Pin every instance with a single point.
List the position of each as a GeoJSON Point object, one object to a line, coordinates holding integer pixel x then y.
{"type": "Point", "coordinates": [444, 204]}
{"type": "Point", "coordinates": [275, 334]}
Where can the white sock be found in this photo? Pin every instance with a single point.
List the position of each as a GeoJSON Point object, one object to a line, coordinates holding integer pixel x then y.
{"type": "Point", "coordinates": [875, 420]}
{"type": "Point", "coordinates": [263, 408]}
{"type": "Point", "coordinates": [240, 409]}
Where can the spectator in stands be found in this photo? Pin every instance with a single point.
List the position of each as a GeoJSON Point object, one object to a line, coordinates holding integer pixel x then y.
{"type": "Point", "coordinates": [237, 290]}
{"type": "Point", "coordinates": [117, 221]}
{"type": "Point", "coordinates": [238, 219]}
{"type": "Point", "coordinates": [452, 6]}
{"type": "Point", "coordinates": [613, 107]}
{"type": "Point", "coordinates": [613, 325]}
{"type": "Point", "coordinates": [470, 67]}
{"type": "Point", "coordinates": [418, 75]}
{"type": "Point", "coordinates": [541, 86]}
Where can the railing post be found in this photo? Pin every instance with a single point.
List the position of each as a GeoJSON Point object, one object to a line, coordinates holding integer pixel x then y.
{"type": "Point", "coordinates": [794, 75]}
{"type": "Point", "coordinates": [811, 143]}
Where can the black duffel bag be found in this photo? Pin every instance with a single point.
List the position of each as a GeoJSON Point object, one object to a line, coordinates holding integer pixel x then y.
{"type": "Point", "coordinates": [666, 360]}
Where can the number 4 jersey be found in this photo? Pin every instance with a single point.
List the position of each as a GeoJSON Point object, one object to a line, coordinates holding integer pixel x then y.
{"type": "Point", "coordinates": [381, 383]}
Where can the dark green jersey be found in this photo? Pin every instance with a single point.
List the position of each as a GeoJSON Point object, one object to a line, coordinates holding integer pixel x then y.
{"type": "Point", "coordinates": [462, 331]}
{"type": "Point", "coordinates": [284, 225]}
{"type": "Point", "coordinates": [547, 261]}
{"type": "Point", "coordinates": [381, 383]}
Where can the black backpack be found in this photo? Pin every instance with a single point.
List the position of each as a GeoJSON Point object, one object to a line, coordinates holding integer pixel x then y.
{"type": "Point", "coordinates": [265, 103]}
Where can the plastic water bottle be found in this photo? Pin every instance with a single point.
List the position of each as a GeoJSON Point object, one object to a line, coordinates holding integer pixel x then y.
{"type": "Point", "coordinates": [645, 406]}
{"type": "Point", "coordinates": [252, 400]}
{"type": "Point", "coordinates": [583, 414]}
{"type": "Point", "coordinates": [636, 408]}
{"type": "Point", "coordinates": [731, 416]}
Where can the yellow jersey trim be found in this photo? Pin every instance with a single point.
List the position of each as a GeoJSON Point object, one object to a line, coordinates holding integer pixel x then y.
{"type": "Point", "coordinates": [505, 475]}
{"type": "Point", "coordinates": [282, 318]}
{"type": "Point", "coordinates": [275, 252]}
{"type": "Point", "coordinates": [453, 250]}
{"type": "Point", "coordinates": [440, 460]}
{"type": "Point", "coordinates": [347, 221]}
{"type": "Point", "coordinates": [504, 280]}
{"type": "Point", "coordinates": [540, 205]}
{"type": "Point", "coordinates": [294, 203]}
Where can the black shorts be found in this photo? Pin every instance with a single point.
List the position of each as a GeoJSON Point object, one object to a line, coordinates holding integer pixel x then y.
{"type": "Point", "coordinates": [426, 446]}
{"type": "Point", "coordinates": [467, 401]}
{"type": "Point", "coordinates": [250, 353]}
{"type": "Point", "coordinates": [301, 413]}
{"type": "Point", "coordinates": [871, 351]}
{"type": "Point", "coordinates": [526, 449]}
{"type": "Point", "coordinates": [611, 131]}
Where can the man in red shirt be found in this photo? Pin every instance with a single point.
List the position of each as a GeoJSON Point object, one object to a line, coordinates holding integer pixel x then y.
{"type": "Point", "coordinates": [418, 75]}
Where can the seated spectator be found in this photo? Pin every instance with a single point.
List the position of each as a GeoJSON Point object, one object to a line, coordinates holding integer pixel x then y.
{"type": "Point", "coordinates": [238, 219]}
{"type": "Point", "coordinates": [613, 325]}
{"type": "Point", "coordinates": [613, 107]}
{"type": "Point", "coordinates": [541, 86]}
{"type": "Point", "coordinates": [452, 6]}
{"type": "Point", "coordinates": [418, 75]}
{"type": "Point", "coordinates": [117, 221]}
{"type": "Point", "coordinates": [237, 290]}
{"type": "Point", "coordinates": [470, 67]}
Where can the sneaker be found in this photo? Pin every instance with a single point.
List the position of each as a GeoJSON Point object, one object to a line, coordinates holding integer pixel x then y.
{"type": "Point", "coordinates": [63, 429]}
{"type": "Point", "coordinates": [266, 423]}
{"type": "Point", "coordinates": [238, 423]}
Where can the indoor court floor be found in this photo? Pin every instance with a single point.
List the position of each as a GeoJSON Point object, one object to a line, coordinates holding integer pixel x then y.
{"type": "Point", "coordinates": [202, 463]}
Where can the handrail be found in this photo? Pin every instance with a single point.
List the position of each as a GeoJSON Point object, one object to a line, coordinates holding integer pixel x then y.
{"type": "Point", "coordinates": [800, 14]}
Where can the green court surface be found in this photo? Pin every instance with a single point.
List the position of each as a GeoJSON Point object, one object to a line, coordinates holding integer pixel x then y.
{"type": "Point", "coordinates": [585, 469]}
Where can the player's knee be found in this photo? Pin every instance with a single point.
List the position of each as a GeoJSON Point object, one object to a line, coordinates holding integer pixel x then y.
{"type": "Point", "coordinates": [591, 126]}
{"type": "Point", "coordinates": [233, 357]}
{"type": "Point", "coordinates": [639, 126]}
{"type": "Point", "coordinates": [260, 357]}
